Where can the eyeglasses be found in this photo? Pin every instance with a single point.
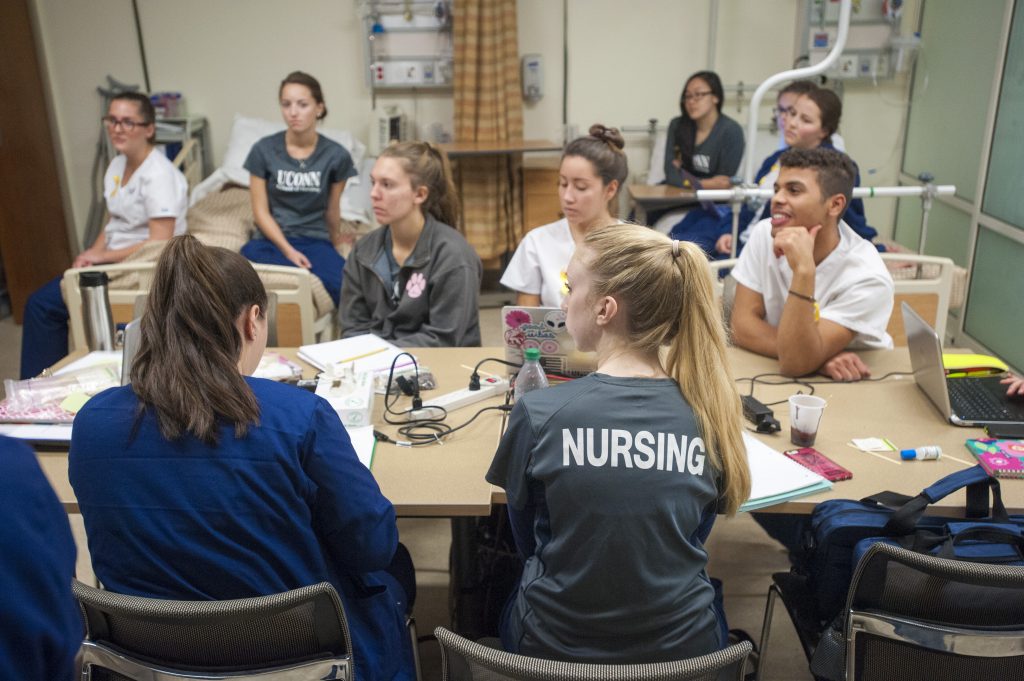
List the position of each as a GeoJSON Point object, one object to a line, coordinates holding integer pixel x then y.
{"type": "Point", "coordinates": [783, 111]}
{"type": "Point", "coordinates": [126, 124]}
{"type": "Point", "coordinates": [693, 96]}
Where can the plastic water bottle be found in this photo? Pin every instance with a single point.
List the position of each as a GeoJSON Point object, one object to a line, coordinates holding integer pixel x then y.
{"type": "Point", "coordinates": [531, 375]}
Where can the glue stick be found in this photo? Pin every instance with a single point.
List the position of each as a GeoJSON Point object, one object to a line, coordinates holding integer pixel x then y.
{"type": "Point", "coordinates": [921, 453]}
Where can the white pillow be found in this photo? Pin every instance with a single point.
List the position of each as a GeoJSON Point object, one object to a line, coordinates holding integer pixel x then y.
{"type": "Point", "coordinates": [247, 131]}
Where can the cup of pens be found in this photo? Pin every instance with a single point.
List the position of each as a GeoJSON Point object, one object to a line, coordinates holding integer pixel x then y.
{"type": "Point", "coordinates": [804, 418]}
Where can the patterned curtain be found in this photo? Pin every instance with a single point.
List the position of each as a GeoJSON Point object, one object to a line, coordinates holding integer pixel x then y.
{"type": "Point", "coordinates": [488, 109]}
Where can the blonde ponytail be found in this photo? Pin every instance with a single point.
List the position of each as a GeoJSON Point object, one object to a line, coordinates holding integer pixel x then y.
{"type": "Point", "coordinates": [667, 289]}
{"type": "Point", "coordinates": [697, 360]}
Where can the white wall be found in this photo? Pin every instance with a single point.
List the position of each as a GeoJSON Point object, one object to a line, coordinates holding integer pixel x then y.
{"type": "Point", "coordinates": [226, 56]}
{"type": "Point", "coordinates": [627, 63]}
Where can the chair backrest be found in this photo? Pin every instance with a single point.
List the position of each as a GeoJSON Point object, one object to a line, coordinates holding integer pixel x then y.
{"type": "Point", "coordinates": [297, 321]}
{"type": "Point", "coordinates": [190, 161]}
{"type": "Point", "coordinates": [266, 637]}
{"type": "Point", "coordinates": [924, 282]}
{"type": "Point", "coordinates": [912, 615]}
{"type": "Point", "coordinates": [464, 660]}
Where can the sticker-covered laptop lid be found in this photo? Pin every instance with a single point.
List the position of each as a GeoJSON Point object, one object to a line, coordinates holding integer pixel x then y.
{"type": "Point", "coordinates": [543, 328]}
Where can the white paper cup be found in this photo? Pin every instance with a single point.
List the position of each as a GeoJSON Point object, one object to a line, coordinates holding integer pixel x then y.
{"type": "Point", "coordinates": [804, 417]}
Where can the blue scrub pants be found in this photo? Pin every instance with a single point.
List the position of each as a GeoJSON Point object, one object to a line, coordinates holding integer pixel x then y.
{"type": "Point", "coordinates": [44, 337]}
{"type": "Point", "coordinates": [328, 265]}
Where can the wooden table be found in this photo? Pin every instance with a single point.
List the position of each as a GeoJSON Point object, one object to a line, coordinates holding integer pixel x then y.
{"type": "Point", "coordinates": [448, 480]}
{"type": "Point", "coordinates": [894, 408]}
{"type": "Point", "coordinates": [444, 480]}
{"type": "Point", "coordinates": [648, 197]}
{"type": "Point", "coordinates": [456, 149]}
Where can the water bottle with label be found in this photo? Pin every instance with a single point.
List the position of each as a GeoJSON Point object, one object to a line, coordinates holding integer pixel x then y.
{"type": "Point", "coordinates": [531, 375]}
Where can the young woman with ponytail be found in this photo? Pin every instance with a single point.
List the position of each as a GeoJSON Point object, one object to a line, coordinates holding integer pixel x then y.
{"type": "Point", "coordinates": [614, 480]}
{"type": "Point", "coordinates": [415, 281]}
{"type": "Point", "coordinates": [198, 482]}
{"type": "Point", "coordinates": [591, 173]}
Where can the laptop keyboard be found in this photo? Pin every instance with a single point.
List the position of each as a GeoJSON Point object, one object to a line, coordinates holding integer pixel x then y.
{"type": "Point", "coordinates": [982, 400]}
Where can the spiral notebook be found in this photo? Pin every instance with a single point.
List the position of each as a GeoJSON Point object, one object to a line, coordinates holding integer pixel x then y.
{"type": "Point", "coordinates": [999, 458]}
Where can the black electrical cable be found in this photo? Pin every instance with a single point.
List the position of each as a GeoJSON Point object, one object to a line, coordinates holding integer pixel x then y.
{"type": "Point", "coordinates": [809, 384]}
{"type": "Point", "coordinates": [427, 430]}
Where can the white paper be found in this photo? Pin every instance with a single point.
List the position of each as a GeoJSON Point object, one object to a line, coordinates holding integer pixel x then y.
{"type": "Point", "coordinates": [57, 434]}
{"type": "Point", "coordinates": [364, 353]}
{"type": "Point", "coordinates": [771, 473]}
{"type": "Point", "coordinates": [94, 358]}
{"type": "Point", "coordinates": [363, 442]}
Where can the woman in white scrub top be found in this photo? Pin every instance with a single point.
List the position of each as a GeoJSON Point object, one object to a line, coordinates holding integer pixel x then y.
{"type": "Point", "coordinates": [590, 174]}
{"type": "Point", "coordinates": [146, 198]}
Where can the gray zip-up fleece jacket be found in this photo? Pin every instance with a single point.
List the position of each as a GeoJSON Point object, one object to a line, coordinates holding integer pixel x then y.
{"type": "Point", "coordinates": [438, 287]}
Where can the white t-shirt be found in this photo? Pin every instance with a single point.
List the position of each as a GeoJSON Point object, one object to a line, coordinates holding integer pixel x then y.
{"type": "Point", "coordinates": [155, 190]}
{"type": "Point", "coordinates": [537, 265]}
{"type": "Point", "coordinates": [852, 286]}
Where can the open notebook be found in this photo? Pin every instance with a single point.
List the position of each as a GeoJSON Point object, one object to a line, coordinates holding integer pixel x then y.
{"type": "Point", "coordinates": [775, 479]}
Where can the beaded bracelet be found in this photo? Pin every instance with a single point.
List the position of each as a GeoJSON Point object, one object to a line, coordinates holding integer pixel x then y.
{"type": "Point", "coordinates": [809, 299]}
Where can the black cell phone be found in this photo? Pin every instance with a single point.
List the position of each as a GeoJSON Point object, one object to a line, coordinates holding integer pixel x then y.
{"type": "Point", "coordinates": [1006, 431]}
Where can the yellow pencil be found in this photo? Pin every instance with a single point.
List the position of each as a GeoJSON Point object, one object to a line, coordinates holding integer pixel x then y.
{"type": "Point", "coordinates": [365, 354]}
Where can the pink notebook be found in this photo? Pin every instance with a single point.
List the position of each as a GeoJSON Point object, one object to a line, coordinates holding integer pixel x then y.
{"type": "Point", "coordinates": [999, 458]}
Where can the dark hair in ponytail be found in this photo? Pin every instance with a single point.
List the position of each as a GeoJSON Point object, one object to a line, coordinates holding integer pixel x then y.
{"type": "Point", "coordinates": [427, 166]}
{"type": "Point", "coordinates": [603, 147]}
{"type": "Point", "coordinates": [186, 370]}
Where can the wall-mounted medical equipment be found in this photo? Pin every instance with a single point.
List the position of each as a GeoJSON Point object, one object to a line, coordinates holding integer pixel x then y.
{"type": "Point", "coordinates": [532, 76]}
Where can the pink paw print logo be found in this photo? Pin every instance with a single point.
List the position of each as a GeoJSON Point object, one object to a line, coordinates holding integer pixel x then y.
{"type": "Point", "coordinates": [416, 285]}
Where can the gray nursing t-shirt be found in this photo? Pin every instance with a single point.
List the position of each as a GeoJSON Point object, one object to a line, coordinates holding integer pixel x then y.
{"type": "Point", "coordinates": [616, 475]}
{"type": "Point", "coordinates": [297, 191]}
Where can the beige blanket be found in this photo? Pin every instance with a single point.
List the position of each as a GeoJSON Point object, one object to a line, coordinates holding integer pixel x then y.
{"type": "Point", "coordinates": [224, 219]}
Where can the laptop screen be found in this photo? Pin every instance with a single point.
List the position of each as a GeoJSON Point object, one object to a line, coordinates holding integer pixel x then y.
{"type": "Point", "coordinates": [926, 359]}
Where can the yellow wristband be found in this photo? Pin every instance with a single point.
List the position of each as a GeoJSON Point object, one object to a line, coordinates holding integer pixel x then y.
{"type": "Point", "coordinates": [809, 299]}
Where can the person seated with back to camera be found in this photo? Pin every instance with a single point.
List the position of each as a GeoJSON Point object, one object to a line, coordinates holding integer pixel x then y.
{"type": "Point", "coordinates": [610, 509]}
{"type": "Point", "coordinates": [808, 287]}
{"type": "Point", "coordinates": [40, 625]}
{"type": "Point", "coordinates": [590, 174]}
{"type": "Point", "coordinates": [200, 482]}
{"type": "Point", "coordinates": [416, 280]}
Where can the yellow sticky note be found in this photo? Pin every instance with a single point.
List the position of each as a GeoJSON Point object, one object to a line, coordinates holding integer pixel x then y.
{"type": "Point", "coordinates": [74, 402]}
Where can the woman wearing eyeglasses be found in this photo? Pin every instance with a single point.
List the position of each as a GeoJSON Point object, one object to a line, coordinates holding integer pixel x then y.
{"type": "Point", "coordinates": [146, 197]}
{"type": "Point", "coordinates": [703, 141]}
{"type": "Point", "coordinates": [810, 122]}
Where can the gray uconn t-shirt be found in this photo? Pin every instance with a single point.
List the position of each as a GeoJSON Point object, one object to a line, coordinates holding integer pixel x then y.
{"type": "Point", "coordinates": [616, 478]}
{"type": "Point", "coordinates": [297, 191]}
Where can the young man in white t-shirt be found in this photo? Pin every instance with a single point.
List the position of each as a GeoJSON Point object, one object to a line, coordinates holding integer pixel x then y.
{"type": "Point", "coordinates": [808, 287]}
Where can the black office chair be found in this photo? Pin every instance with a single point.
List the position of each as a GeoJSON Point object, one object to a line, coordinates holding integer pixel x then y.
{"type": "Point", "coordinates": [271, 638]}
{"type": "Point", "coordinates": [913, 616]}
{"type": "Point", "coordinates": [464, 660]}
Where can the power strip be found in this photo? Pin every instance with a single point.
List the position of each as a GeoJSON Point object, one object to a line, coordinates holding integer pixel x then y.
{"type": "Point", "coordinates": [489, 387]}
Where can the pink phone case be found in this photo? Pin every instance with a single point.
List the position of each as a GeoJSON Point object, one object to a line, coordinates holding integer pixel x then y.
{"type": "Point", "coordinates": [812, 459]}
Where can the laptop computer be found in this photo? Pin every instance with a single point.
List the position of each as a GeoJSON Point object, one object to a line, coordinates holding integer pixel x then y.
{"type": "Point", "coordinates": [543, 328]}
{"type": "Point", "coordinates": [964, 401]}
